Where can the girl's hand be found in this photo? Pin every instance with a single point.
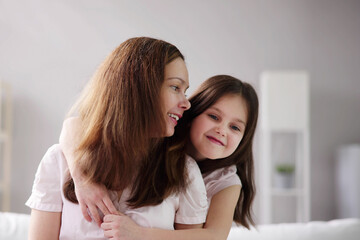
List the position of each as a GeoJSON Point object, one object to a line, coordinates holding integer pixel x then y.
{"type": "Point", "coordinates": [92, 198]}
{"type": "Point", "coordinates": [121, 227]}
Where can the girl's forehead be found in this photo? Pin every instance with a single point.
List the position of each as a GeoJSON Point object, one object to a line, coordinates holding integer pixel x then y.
{"type": "Point", "coordinates": [231, 98]}
{"type": "Point", "coordinates": [233, 106]}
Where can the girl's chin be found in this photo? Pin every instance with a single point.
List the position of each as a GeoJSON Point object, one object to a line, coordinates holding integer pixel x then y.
{"type": "Point", "coordinates": [211, 156]}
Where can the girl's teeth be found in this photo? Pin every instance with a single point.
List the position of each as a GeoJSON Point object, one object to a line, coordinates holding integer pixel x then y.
{"type": "Point", "coordinates": [174, 116]}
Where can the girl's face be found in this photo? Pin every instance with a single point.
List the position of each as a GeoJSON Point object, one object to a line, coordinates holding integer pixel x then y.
{"type": "Point", "coordinates": [217, 132]}
{"type": "Point", "coordinates": [173, 93]}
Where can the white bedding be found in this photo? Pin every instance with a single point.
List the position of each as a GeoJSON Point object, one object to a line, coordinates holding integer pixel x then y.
{"type": "Point", "coordinates": [340, 229]}
{"type": "Point", "coordinates": [14, 226]}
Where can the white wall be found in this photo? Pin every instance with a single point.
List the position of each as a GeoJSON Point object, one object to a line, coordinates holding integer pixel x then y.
{"type": "Point", "coordinates": [49, 49]}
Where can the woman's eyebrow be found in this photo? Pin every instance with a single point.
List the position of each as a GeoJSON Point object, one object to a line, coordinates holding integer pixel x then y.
{"type": "Point", "coordinates": [183, 82]}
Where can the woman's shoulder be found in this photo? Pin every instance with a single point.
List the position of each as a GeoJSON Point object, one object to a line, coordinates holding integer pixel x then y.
{"type": "Point", "coordinates": [53, 153]}
{"type": "Point", "coordinates": [193, 169]}
{"type": "Point", "coordinates": [190, 162]}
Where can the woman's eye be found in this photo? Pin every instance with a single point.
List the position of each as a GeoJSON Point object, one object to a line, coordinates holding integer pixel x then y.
{"type": "Point", "coordinates": [175, 88]}
{"type": "Point", "coordinates": [213, 117]}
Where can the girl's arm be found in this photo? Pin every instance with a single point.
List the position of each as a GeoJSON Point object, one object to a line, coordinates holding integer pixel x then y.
{"type": "Point", "coordinates": [221, 212]}
{"type": "Point", "coordinates": [44, 225]}
{"type": "Point", "coordinates": [217, 226]}
{"type": "Point", "coordinates": [121, 227]}
{"type": "Point", "coordinates": [90, 196]}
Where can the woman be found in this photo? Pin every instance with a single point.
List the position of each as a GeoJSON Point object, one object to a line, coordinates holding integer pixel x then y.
{"type": "Point", "coordinates": [132, 102]}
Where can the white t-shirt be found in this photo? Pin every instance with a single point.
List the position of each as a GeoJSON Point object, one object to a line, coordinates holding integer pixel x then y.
{"type": "Point", "coordinates": [189, 207]}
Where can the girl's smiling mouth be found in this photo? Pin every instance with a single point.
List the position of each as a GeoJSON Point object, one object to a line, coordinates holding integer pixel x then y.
{"type": "Point", "coordinates": [215, 140]}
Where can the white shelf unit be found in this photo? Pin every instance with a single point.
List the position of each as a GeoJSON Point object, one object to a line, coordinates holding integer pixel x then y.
{"type": "Point", "coordinates": [5, 144]}
{"type": "Point", "coordinates": [284, 138]}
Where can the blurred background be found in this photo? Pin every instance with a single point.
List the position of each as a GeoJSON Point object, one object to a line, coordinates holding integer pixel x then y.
{"type": "Point", "coordinates": [50, 49]}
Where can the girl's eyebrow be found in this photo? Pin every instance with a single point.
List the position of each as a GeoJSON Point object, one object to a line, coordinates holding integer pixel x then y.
{"type": "Point", "coordinates": [183, 82]}
{"type": "Point", "coordinates": [237, 119]}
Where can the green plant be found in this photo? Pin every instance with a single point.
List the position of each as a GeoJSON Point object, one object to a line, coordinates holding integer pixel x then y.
{"type": "Point", "coordinates": [285, 168]}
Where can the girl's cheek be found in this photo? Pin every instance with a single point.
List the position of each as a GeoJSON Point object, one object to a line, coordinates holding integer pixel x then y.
{"type": "Point", "coordinates": [237, 140]}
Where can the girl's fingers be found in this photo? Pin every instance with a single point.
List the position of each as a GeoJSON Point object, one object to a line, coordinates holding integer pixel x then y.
{"type": "Point", "coordinates": [95, 214]}
{"type": "Point", "coordinates": [101, 205]}
{"type": "Point", "coordinates": [108, 234]}
{"type": "Point", "coordinates": [109, 218]}
{"type": "Point", "coordinates": [105, 226]}
{"type": "Point", "coordinates": [119, 213]}
{"type": "Point", "coordinates": [85, 213]}
{"type": "Point", "coordinates": [109, 205]}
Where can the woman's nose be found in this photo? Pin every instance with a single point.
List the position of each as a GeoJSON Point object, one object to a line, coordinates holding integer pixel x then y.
{"type": "Point", "coordinates": [185, 104]}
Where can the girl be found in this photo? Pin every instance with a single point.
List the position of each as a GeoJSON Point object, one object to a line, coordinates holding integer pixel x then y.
{"type": "Point", "coordinates": [118, 145]}
{"type": "Point", "coordinates": [219, 128]}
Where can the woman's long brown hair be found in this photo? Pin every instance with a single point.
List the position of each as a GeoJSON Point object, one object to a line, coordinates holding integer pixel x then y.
{"type": "Point", "coordinates": [121, 111]}
{"type": "Point", "coordinates": [205, 96]}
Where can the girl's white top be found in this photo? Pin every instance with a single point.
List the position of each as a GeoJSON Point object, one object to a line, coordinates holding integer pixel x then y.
{"type": "Point", "coordinates": [189, 207]}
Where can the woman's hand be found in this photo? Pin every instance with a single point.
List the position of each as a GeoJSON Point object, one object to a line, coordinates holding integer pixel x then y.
{"type": "Point", "coordinates": [121, 227]}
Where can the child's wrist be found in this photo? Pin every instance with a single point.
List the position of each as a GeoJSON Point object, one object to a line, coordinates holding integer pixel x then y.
{"type": "Point", "coordinates": [77, 176]}
{"type": "Point", "coordinates": [146, 233]}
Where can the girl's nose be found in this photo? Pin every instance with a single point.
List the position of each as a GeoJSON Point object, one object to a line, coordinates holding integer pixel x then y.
{"type": "Point", "coordinates": [220, 130]}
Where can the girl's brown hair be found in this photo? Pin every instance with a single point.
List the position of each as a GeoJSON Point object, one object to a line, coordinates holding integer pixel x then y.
{"type": "Point", "coordinates": [121, 113]}
{"type": "Point", "coordinates": [206, 95]}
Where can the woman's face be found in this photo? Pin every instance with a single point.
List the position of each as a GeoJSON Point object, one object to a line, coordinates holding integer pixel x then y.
{"type": "Point", "coordinates": [173, 93]}
{"type": "Point", "coordinates": [217, 132]}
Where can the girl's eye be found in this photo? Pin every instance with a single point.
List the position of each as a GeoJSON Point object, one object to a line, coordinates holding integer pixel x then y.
{"type": "Point", "coordinates": [235, 128]}
{"type": "Point", "coordinates": [213, 117]}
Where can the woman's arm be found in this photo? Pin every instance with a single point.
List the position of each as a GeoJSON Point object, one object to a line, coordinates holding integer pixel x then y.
{"type": "Point", "coordinates": [217, 226]}
{"type": "Point", "coordinates": [44, 225]}
{"type": "Point", "coordinates": [90, 196]}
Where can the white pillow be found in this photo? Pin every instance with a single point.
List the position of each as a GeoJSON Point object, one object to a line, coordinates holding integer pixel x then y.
{"type": "Point", "coordinates": [14, 226]}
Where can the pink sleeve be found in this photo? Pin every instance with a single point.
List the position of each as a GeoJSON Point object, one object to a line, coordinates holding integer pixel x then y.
{"type": "Point", "coordinates": [220, 179]}
{"type": "Point", "coordinates": [193, 203]}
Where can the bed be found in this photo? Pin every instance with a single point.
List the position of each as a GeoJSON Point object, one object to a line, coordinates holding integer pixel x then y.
{"type": "Point", "coordinates": [14, 226]}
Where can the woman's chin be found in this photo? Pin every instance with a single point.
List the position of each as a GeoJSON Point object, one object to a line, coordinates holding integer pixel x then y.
{"type": "Point", "coordinates": [169, 132]}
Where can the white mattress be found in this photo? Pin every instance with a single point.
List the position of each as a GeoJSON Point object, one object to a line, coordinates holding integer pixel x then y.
{"type": "Point", "coordinates": [340, 229]}
{"type": "Point", "coordinates": [14, 226]}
